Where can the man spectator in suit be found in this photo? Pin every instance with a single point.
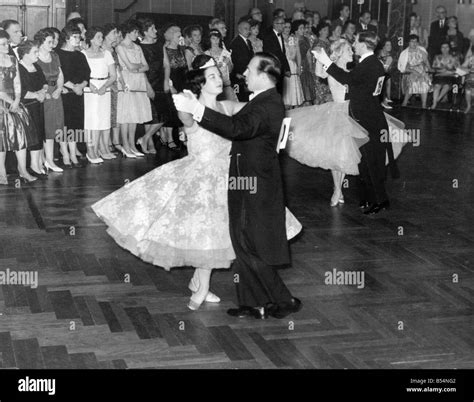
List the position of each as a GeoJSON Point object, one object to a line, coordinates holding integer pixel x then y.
{"type": "Point", "coordinates": [344, 13]}
{"type": "Point", "coordinates": [242, 53]}
{"type": "Point", "coordinates": [13, 29]}
{"type": "Point", "coordinates": [273, 43]}
{"type": "Point", "coordinates": [438, 32]}
{"type": "Point", "coordinates": [364, 23]}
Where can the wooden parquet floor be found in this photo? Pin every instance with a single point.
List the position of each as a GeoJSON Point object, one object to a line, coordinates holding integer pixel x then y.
{"type": "Point", "coordinates": [414, 311]}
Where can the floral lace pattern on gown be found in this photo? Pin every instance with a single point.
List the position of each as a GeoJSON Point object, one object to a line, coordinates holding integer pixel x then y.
{"type": "Point", "coordinates": [177, 214]}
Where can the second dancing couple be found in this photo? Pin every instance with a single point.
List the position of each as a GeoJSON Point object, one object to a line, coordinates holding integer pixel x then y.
{"type": "Point", "coordinates": [181, 213]}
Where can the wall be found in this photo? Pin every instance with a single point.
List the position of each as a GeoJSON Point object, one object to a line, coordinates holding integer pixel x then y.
{"type": "Point", "coordinates": [101, 12]}
{"type": "Point", "coordinates": [465, 13]}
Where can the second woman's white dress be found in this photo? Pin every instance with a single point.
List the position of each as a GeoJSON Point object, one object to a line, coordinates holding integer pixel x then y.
{"type": "Point", "coordinates": [325, 136]}
{"type": "Point", "coordinates": [97, 108]}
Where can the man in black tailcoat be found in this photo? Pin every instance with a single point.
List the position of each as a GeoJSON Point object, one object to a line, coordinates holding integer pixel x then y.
{"type": "Point", "coordinates": [274, 43]}
{"type": "Point", "coordinates": [257, 219]}
{"type": "Point", "coordinates": [365, 83]}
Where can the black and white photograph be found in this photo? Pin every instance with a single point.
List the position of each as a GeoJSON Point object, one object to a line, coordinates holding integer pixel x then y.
{"type": "Point", "coordinates": [250, 198]}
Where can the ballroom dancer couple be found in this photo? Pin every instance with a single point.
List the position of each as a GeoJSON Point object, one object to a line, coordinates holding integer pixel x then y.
{"type": "Point", "coordinates": [181, 213]}
{"type": "Point", "coordinates": [349, 137]}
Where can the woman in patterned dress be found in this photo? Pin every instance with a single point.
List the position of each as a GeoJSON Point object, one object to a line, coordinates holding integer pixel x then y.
{"type": "Point", "coordinates": [444, 65]}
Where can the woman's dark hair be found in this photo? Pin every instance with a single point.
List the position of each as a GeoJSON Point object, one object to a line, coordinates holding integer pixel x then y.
{"type": "Point", "coordinates": [453, 17]}
{"type": "Point", "coordinates": [196, 78]}
{"type": "Point", "coordinates": [413, 37]}
{"type": "Point", "coordinates": [145, 25]}
{"type": "Point", "coordinates": [25, 47]}
{"type": "Point", "coordinates": [129, 27]}
{"type": "Point", "coordinates": [67, 33]}
{"type": "Point", "coordinates": [188, 31]}
{"type": "Point", "coordinates": [91, 33]}
{"type": "Point", "coordinates": [75, 22]}
{"type": "Point", "coordinates": [41, 36]}
{"type": "Point", "coordinates": [55, 31]}
{"type": "Point", "coordinates": [413, 15]}
{"type": "Point", "coordinates": [270, 65]}
{"type": "Point", "coordinates": [445, 42]}
{"type": "Point", "coordinates": [107, 28]}
{"type": "Point", "coordinates": [4, 34]}
{"type": "Point", "coordinates": [213, 33]}
{"type": "Point", "coordinates": [346, 25]}
{"type": "Point", "coordinates": [295, 25]}
{"type": "Point", "coordinates": [321, 26]}
{"type": "Point", "coordinates": [254, 23]}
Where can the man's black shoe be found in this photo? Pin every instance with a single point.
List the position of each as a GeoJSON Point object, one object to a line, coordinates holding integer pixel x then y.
{"type": "Point", "coordinates": [376, 208]}
{"type": "Point", "coordinates": [284, 309]}
{"type": "Point", "coordinates": [364, 204]}
{"type": "Point", "coordinates": [246, 311]}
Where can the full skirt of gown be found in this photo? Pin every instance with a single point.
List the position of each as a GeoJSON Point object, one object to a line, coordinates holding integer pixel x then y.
{"type": "Point", "coordinates": [177, 214]}
{"type": "Point", "coordinates": [325, 136]}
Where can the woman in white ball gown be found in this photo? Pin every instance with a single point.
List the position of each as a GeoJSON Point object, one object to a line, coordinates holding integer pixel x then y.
{"type": "Point", "coordinates": [325, 136]}
{"type": "Point", "coordinates": [177, 215]}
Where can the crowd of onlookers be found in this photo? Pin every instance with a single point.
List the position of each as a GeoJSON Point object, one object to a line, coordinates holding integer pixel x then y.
{"type": "Point", "coordinates": [95, 85]}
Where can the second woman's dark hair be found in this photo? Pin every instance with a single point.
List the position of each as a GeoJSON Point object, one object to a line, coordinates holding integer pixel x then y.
{"type": "Point", "coordinates": [196, 78]}
{"type": "Point", "coordinates": [41, 36]}
{"type": "Point", "coordinates": [67, 33]}
{"type": "Point", "coordinates": [92, 32]}
{"type": "Point", "coordinates": [25, 47]}
{"type": "Point", "coordinates": [295, 25]}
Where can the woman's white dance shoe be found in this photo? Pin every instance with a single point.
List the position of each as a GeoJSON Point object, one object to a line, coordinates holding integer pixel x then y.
{"type": "Point", "coordinates": [210, 297]}
{"type": "Point", "coordinates": [55, 169]}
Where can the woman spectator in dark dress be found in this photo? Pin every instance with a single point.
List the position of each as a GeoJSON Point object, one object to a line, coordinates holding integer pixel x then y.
{"type": "Point", "coordinates": [455, 38]}
{"type": "Point", "coordinates": [153, 49]}
{"type": "Point", "coordinates": [34, 90]}
{"type": "Point", "coordinates": [76, 77]}
{"type": "Point", "coordinates": [50, 65]}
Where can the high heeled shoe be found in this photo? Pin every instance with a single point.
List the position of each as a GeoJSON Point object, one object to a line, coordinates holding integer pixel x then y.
{"type": "Point", "coordinates": [95, 161]}
{"type": "Point", "coordinates": [341, 199]}
{"type": "Point", "coordinates": [138, 154]}
{"type": "Point", "coordinates": [335, 199]}
{"type": "Point", "coordinates": [4, 180]}
{"type": "Point", "coordinates": [210, 297]}
{"type": "Point", "coordinates": [26, 180]}
{"type": "Point", "coordinates": [106, 157]}
{"type": "Point", "coordinates": [125, 154]}
{"type": "Point", "coordinates": [55, 169]}
{"type": "Point", "coordinates": [194, 303]}
{"type": "Point", "coordinates": [41, 175]}
{"type": "Point", "coordinates": [140, 142]}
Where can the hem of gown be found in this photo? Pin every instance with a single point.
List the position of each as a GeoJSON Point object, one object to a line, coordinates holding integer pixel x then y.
{"type": "Point", "coordinates": [166, 256]}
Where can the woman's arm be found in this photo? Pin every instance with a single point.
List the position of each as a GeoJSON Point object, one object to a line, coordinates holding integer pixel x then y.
{"type": "Point", "coordinates": [298, 56]}
{"type": "Point", "coordinates": [233, 107]}
{"type": "Point", "coordinates": [145, 67]}
{"type": "Point", "coordinates": [189, 55]}
{"type": "Point", "coordinates": [17, 88]}
{"type": "Point", "coordinates": [167, 68]}
{"type": "Point", "coordinates": [131, 67]}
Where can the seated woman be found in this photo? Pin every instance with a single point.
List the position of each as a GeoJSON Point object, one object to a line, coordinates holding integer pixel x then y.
{"type": "Point", "coordinates": [444, 65]}
{"type": "Point", "coordinates": [413, 63]}
{"type": "Point", "coordinates": [177, 215]}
